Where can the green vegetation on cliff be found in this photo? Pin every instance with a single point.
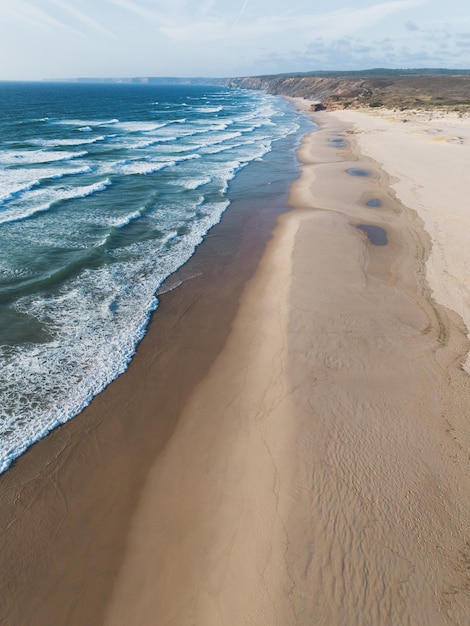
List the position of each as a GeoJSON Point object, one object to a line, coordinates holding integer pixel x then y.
{"type": "Point", "coordinates": [394, 89]}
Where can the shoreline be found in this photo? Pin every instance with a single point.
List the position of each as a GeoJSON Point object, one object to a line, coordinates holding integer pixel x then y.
{"type": "Point", "coordinates": [312, 464]}
{"type": "Point", "coordinates": [89, 471]}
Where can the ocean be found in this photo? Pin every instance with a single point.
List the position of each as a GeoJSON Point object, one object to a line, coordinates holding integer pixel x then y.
{"type": "Point", "coordinates": [106, 190]}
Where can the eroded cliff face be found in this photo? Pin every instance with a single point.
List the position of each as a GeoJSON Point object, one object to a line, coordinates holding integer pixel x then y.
{"type": "Point", "coordinates": [402, 92]}
{"type": "Point", "coordinates": [313, 88]}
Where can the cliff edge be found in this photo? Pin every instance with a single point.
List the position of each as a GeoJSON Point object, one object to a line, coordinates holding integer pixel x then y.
{"type": "Point", "coordinates": [417, 91]}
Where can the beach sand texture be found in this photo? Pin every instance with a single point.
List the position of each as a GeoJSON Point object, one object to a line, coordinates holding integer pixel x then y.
{"type": "Point", "coordinates": [427, 154]}
{"type": "Point", "coordinates": [319, 472]}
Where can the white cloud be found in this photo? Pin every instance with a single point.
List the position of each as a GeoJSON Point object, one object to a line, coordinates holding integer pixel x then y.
{"type": "Point", "coordinates": [225, 37]}
{"type": "Point", "coordinates": [26, 12]}
{"type": "Point", "coordinates": [333, 23]}
{"type": "Point", "coordinates": [139, 10]}
{"type": "Point", "coordinates": [83, 17]}
{"type": "Point", "coordinates": [241, 13]}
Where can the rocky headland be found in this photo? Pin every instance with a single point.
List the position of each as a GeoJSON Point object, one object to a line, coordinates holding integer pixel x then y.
{"type": "Point", "coordinates": [389, 89]}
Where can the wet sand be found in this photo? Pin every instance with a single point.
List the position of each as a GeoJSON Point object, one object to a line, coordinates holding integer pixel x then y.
{"type": "Point", "coordinates": [314, 467]}
{"type": "Point", "coordinates": [67, 503]}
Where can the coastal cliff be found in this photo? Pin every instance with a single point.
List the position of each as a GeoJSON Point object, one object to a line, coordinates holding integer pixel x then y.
{"type": "Point", "coordinates": [357, 90]}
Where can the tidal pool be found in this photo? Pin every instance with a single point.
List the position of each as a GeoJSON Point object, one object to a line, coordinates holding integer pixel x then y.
{"type": "Point", "coordinates": [376, 234]}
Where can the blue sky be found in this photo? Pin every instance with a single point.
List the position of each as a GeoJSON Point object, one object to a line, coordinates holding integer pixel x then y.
{"type": "Point", "coordinates": [96, 38]}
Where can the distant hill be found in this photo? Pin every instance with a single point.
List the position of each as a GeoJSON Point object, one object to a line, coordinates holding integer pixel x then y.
{"type": "Point", "coordinates": [379, 71]}
{"type": "Point", "coordinates": [402, 89]}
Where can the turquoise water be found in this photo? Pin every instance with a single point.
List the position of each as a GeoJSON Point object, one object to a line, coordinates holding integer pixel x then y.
{"type": "Point", "coordinates": [105, 190]}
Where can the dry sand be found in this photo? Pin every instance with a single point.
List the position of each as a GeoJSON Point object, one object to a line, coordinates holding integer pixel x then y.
{"type": "Point", "coordinates": [428, 156]}
{"type": "Point", "coordinates": [318, 474]}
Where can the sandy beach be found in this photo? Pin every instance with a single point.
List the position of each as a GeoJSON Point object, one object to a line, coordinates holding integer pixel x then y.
{"type": "Point", "coordinates": [297, 451]}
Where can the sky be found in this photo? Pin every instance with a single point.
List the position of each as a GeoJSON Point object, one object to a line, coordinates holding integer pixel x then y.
{"type": "Point", "coordinates": [47, 39]}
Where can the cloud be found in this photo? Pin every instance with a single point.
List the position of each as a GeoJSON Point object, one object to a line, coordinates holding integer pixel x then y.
{"type": "Point", "coordinates": [83, 18]}
{"type": "Point", "coordinates": [220, 37]}
{"type": "Point", "coordinates": [343, 21]}
{"type": "Point", "coordinates": [356, 52]}
{"type": "Point", "coordinates": [207, 6]}
{"type": "Point", "coordinates": [139, 10]}
{"type": "Point", "coordinates": [31, 14]}
{"type": "Point", "coordinates": [242, 12]}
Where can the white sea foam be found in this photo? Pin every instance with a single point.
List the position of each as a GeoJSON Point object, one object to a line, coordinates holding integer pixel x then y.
{"type": "Point", "coordinates": [54, 143]}
{"type": "Point", "coordinates": [140, 127]}
{"type": "Point", "coordinates": [125, 220]}
{"type": "Point", "coordinates": [96, 316]}
{"type": "Point", "coordinates": [193, 183]}
{"type": "Point", "coordinates": [145, 143]}
{"type": "Point", "coordinates": [216, 140]}
{"type": "Point", "coordinates": [33, 120]}
{"type": "Point", "coordinates": [14, 182]}
{"type": "Point", "coordinates": [148, 165]}
{"type": "Point", "coordinates": [217, 149]}
{"type": "Point", "coordinates": [135, 142]}
{"type": "Point", "coordinates": [26, 157]}
{"type": "Point", "coordinates": [42, 200]}
{"type": "Point", "coordinates": [131, 167]}
{"type": "Point", "coordinates": [14, 188]}
{"type": "Point", "coordinates": [209, 126]}
{"type": "Point", "coordinates": [208, 109]}
{"type": "Point", "coordinates": [188, 157]}
{"type": "Point", "coordinates": [87, 123]}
